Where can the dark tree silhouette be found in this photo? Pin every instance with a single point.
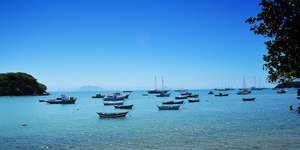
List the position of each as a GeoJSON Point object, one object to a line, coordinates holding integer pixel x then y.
{"type": "Point", "coordinates": [279, 21]}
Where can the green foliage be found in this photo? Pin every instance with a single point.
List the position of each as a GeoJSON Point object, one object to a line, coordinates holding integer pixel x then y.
{"type": "Point", "coordinates": [18, 84]}
{"type": "Point", "coordinates": [279, 21]}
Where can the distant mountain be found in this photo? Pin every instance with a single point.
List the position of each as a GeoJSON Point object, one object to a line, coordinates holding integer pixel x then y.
{"type": "Point", "coordinates": [90, 88]}
{"type": "Point", "coordinates": [295, 84]}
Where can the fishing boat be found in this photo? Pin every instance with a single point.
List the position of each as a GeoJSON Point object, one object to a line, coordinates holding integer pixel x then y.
{"type": "Point", "coordinates": [113, 103]}
{"type": "Point", "coordinates": [193, 100]}
{"type": "Point", "coordinates": [124, 106]}
{"type": "Point", "coordinates": [281, 91]}
{"type": "Point", "coordinates": [221, 94]}
{"type": "Point", "coordinates": [112, 115]}
{"type": "Point", "coordinates": [169, 107]}
{"type": "Point", "coordinates": [210, 92]}
{"type": "Point", "coordinates": [181, 97]}
{"type": "Point", "coordinates": [163, 94]}
{"type": "Point", "coordinates": [193, 96]}
{"type": "Point", "coordinates": [115, 97]}
{"type": "Point", "coordinates": [62, 100]}
{"type": "Point", "coordinates": [98, 96]}
{"type": "Point", "coordinates": [249, 99]}
{"type": "Point", "coordinates": [172, 102]}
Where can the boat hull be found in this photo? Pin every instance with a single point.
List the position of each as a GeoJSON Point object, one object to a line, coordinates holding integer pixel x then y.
{"type": "Point", "coordinates": [248, 99]}
{"type": "Point", "coordinates": [61, 101]}
{"type": "Point", "coordinates": [194, 101]}
{"type": "Point", "coordinates": [123, 106]}
{"type": "Point", "coordinates": [113, 103]}
{"type": "Point", "coordinates": [172, 102]}
{"type": "Point", "coordinates": [112, 115]}
{"type": "Point", "coordinates": [171, 107]}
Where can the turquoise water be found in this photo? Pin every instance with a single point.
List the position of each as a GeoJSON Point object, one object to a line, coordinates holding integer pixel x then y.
{"type": "Point", "coordinates": [213, 123]}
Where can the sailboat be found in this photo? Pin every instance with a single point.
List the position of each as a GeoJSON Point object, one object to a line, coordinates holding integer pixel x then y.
{"type": "Point", "coordinates": [244, 90]}
{"type": "Point", "coordinates": [254, 87]}
{"type": "Point", "coordinates": [156, 91]}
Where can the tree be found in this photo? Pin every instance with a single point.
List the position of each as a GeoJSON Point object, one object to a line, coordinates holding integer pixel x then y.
{"type": "Point", "coordinates": [279, 21]}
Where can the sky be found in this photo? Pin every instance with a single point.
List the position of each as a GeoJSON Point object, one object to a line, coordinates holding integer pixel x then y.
{"type": "Point", "coordinates": [124, 44]}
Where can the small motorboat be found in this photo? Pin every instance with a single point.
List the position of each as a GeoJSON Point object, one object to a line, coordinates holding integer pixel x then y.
{"type": "Point", "coordinates": [98, 96]}
{"type": "Point", "coordinates": [210, 92]}
{"type": "Point", "coordinates": [249, 99]}
{"type": "Point", "coordinates": [112, 115]}
{"type": "Point", "coordinates": [221, 94]}
{"type": "Point", "coordinates": [71, 101]}
{"type": "Point", "coordinates": [145, 94]}
{"type": "Point", "coordinates": [181, 97]}
{"type": "Point", "coordinates": [113, 103]}
{"type": "Point", "coordinates": [193, 96]}
{"type": "Point", "coordinates": [172, 102]}
{"type": "Point", "coordinates": [281, 91]}
{"type": "Point", "coordinates": [193, 100]}
{"type": "Point", "coordinates": [185, 93]}
{"type": "Point", "coordinates": [124, 106]}
{"type": "Point", "coordinates": [113, 98]}
{"type": "Point", "coordinates": [42, 100]}
{"type": "Point", "coordinates": [63, 100]}
{"type": "Point", "coordinates": [163, 95]}
{"type": "Point", "coordinates": [169, 107]}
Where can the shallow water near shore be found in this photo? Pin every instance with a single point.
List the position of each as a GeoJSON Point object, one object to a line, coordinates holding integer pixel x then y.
{"type": "Point", "coordinates": [213, 123]}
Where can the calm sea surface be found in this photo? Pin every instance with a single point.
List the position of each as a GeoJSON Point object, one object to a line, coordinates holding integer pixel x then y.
{"type": "Point", "coordinates": [213, 123]}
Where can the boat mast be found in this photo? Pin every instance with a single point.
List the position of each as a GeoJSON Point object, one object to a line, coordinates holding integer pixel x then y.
{"type": "Point", "coordinates": [162, 82]}
{"type": "Point", "coordinates": [155, 82]}
{"type": "Point", "coordinates": [244, 82]}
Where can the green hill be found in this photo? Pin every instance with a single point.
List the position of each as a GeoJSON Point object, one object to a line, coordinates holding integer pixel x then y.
{"type": "Point", "coordinates": [18, 84]}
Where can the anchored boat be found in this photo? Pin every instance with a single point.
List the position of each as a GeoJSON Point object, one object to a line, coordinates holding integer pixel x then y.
{"type": "Point", "coordinates": [112, 115]}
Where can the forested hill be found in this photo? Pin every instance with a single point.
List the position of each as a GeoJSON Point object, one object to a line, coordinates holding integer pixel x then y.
{"type": "Point", "coordinates": [295, 84]}
{"type": "Point", "coordinates": [18, 84]}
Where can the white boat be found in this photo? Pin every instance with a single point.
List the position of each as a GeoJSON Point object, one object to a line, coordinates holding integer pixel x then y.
{"type": "Point", "coordinates": [114, 103]}
{"type": "Point", "coordinates": [244, 90]}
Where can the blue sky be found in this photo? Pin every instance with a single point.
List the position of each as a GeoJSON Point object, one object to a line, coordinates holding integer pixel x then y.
{"type": "Point", "coordinates": [123, 44]}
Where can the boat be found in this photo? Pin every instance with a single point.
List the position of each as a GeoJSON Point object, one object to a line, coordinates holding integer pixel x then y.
{"type": "Point", "coordinates": [112, 115]}
{"type": "Point", "coordinates": [249, 99]}
{"type": "Point", "coordinates": [210, 92]}
{"type": "Point", "coordinates": [181, 97]}
{"type": "Point", "coordinates": [145, 94]}
{"type": "Point", "coordinates": [112, 98]}
{"type": "Point", "coordinates": [98, 96]}
{"type": "Point", "coordinates": [244, 90]}
{"type": "Point", "coordinates": [42, 100]}
{"type": "Point", "coordinates": [63, 100]}
{"type": "Point", "coordinates": [163, 95]}
{"type": "Point", "coordinates": [124, 106]}
{"type": "Point", "coordinates": [169, 107]}
{"type": "Point", "coordinates": [281, 91]}
{"type": "Point", "coordinates": [298, 97]}
{"type": "Point", "coordinates": [256, 88]}
{"type": "Point", "coordinates": [127, 91]}
{"type": "Point", "coordinates": [185, 93]}
{"type": "Point", "coordinates": [113, 103]}
{"type": "Point", "coordinates": [221, 94]}
{"type": "Point", "coordinates": [156, 91]}
{"type": "Point", "coordinates": [172, 102]}
{"type": "Point", "coordinates": [193, 96]}
{"type": "Point", "coordinates": [115, 97]}
{"type": "Point", "coordinates": [193, 100]}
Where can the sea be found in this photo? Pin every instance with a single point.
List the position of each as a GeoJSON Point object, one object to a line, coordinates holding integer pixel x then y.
{"type": "Point", "coordinates": [213, 123]}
